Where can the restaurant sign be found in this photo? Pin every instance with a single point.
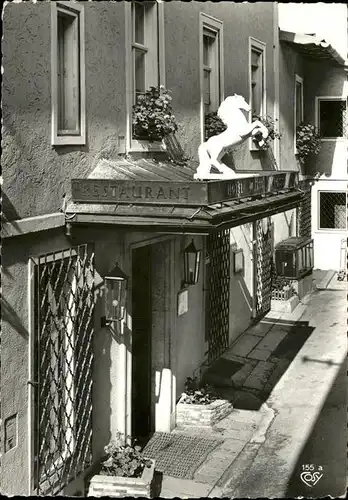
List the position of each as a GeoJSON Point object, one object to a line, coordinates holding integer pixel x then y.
{"type": "Point", "coordinates": [179, 193]}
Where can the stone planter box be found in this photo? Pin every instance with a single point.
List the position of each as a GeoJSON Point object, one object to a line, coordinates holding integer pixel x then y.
{"type": "Point", "coordinates": [194, 415]}
{"type": "Point", "coordinates": [285, 305]}
{"type": "Point", "coordinates": [115, 486]}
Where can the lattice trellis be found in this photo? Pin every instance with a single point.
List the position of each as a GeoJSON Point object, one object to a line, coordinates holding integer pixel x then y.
{"type": "Point", "coordinates": [219, 293]}
{"type": "Point", "coordinates": [63, 366]}
{"type": "Point", "coordinates": [263, 267]}
{"type": "Point", "coordinates": [304, 217]}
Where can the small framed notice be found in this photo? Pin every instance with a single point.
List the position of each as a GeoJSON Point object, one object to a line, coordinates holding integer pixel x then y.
{"type": "Point", "coordinates": [182, 302]}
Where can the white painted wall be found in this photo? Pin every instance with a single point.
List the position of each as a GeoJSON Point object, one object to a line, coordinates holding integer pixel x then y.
{"type": "Point", "coordinates": [327, 243]}
{"type": "Point", "coordinates": [326, 20]}
{"type": "Point", "coordinates": [241, 287]}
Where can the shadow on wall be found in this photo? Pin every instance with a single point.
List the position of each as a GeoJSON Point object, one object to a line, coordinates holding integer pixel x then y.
{"type": "Point", "coordinates": [9, 212]}
{"type": "Point", "coordinates": [10, 316]}
{"type": "Point", "coordinates": [325, 448]}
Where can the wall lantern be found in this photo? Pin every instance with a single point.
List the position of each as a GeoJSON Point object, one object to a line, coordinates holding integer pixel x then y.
{"type": "Point", "coordinates": [192, 259]}
{"type": "Point", "coordinates": [238, 261]}
{"type": "Point", "coordinates": [115, 283]}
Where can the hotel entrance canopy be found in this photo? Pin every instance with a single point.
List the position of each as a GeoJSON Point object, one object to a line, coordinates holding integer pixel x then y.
{"type": "Point", "coordinates": [163, 197]}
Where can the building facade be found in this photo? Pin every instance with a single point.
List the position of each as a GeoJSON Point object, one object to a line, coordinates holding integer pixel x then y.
{"type": "Point", "coordinates": [317, 52]}
{"type": "Point", "coordinates": [81, 194]}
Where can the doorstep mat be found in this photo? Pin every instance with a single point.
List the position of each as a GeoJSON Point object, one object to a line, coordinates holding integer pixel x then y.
{"type": "Point", "coordinates": [179, 455]}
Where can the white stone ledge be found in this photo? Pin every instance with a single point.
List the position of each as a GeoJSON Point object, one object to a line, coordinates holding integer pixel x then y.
{"type": "Point", "coordinates": [29, 225]}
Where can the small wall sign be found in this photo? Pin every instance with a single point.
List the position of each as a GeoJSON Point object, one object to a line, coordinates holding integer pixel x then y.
{"type": "Point", "coordinates": [182, 302]}
{"type": "Point", "coordinates": [10, 432]}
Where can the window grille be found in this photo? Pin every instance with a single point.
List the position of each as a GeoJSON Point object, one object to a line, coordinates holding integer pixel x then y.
{"type": "Point", "coordinates": [63, 354]}
{"type": "Point", "coordinates": [332, 210]}
{"type": "Point", "coordinates": [333, 118]}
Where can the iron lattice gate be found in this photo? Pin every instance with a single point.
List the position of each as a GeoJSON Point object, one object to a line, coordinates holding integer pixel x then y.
{"type": "Point", "coordinates": [263, 265]}
{"type": "Point", "coordinates": [219, 293]}
{"type": "Point", "coordinates": [64, 297]}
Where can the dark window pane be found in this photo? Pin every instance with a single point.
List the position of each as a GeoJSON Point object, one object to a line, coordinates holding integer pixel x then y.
{"type": "Point", "coordinates": [139, 19]}
{"type": "Point", "coordinates": [298, 103]}
{"type": "Point", "coordinates": [333, 210]}
{"type": "Point", "coordinates": [139, 70]}
{"type": "Point", "coordinates": [331, 118]}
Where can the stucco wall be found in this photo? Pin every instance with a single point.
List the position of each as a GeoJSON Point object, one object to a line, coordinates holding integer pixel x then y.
{"type": "Point", "coordinates": [323, 80]}
{"type": "Point", "coordinates": [290, 64]}
{"type": "Point", "coordinates": [189, 330]}
{"type": "Point", "coordinates": [36, 175]}
{"type": "Point", "coordinates": [284, 226]}
{"type": "Point", "coordinates": [327, 243]}
{"type": "Point", "coordinates": [14, 349]}
{"type": "Point", "coordinates": [182, 64]}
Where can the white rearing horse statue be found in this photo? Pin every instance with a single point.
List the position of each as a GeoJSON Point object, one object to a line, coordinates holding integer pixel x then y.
{"type": "Point", "coordinates": [238, 130]}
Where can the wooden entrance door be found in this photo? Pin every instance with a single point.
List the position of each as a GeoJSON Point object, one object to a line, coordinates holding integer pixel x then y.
{"type": "Point", "coordinates": [142, 425]}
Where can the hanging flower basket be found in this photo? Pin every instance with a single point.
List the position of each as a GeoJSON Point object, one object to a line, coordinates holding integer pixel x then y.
{"type": "Point", "coordinates": [308, 141]}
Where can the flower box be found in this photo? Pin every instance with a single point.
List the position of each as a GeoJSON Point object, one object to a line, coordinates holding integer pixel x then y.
{"type": "Point", "coordinates": [201, 415]}
{"type": "Point", "coordinates": [117, 486]}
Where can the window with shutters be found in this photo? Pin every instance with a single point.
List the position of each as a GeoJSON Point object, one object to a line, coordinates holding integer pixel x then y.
{"type": "Point", "coordinates": [212, 85]}
{"type": "Point", "coordinates": [68, 74]}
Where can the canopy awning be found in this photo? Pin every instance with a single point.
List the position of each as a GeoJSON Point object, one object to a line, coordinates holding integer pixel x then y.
{"type": "Point", "coordinates": [163, 197]}
{"type": "Point", "coordinates": [312, 46]}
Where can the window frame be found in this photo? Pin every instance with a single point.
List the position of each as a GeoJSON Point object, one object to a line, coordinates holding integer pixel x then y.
{"type": "Point", "coordinates": [134, 145]}
{"type": "Point", "coordinates": [333, 229]}
{"type": "Point", "coordinates": [260, 46]}
{"type": "Point", "coordinates": [210, 23]}
{"type": "Point", "coordinates": [298, 80]}
{"type": "Point", "coordinates": [75, 10]}
{"type": "Point", "coordinates": [317, 115]}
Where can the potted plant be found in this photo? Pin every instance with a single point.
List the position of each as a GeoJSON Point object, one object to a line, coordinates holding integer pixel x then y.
{"type": "Point", "coordinates": [213, 125]}
{"type": "Point", "coordinates": [124, 471]}
{"type": "Point", "coordinates": [307, 141]}
{"type": "Point", "coordinates": [200, 405]}
{"type": "Point", "coordinates": [153, 117]}
{"type": "Point", "coordinates": [271, 126]}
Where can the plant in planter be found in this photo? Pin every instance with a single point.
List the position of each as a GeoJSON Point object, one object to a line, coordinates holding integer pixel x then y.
{"type": "Point", "coordinates": [198, 394]}
{"type": "Point", "coordinates": [307, 141]}
{"type": "Point", "coordinates": [281, 287]}
{"type": "Point", "coordinates": [123, 471]}
{"type": "Point", "coordinates": [200, 406]}
{"type": "Point", "coordinates": [271, 126]}
{"type": "Point", "coordinates": [153, 117]}
{"type": "Point", "coordinates": [213, 125]}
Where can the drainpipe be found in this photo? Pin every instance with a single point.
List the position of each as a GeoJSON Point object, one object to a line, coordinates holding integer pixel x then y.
{"type": "Point", "coordinates": [253, 267]}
